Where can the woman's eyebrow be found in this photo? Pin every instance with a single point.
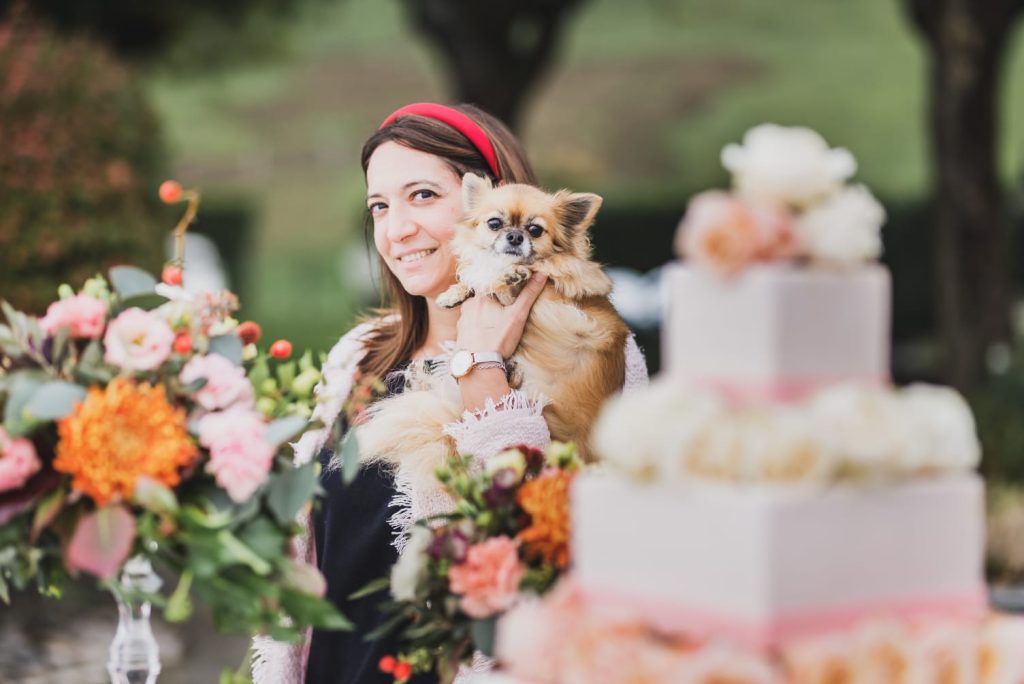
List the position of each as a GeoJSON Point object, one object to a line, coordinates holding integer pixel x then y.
{"type": "Point", "coordinates": [407, 186]}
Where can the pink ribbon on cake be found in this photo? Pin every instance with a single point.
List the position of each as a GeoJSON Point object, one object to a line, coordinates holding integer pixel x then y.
{"type": "Point", "coordinates": [762, 636]}
{"type": "Point", "coordinates": [780, 391]}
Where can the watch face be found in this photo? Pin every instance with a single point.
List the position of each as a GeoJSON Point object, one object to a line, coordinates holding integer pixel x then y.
{"type": "Point", "coordinates": [460, 364]}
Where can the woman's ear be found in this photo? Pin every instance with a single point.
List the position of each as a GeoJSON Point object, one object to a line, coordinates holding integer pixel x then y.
{"type": "Point", "coordinates": [473, 187]}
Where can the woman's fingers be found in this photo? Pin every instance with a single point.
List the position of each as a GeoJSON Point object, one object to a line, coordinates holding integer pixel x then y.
{"type": "Point", "coordinates": [524, 302]}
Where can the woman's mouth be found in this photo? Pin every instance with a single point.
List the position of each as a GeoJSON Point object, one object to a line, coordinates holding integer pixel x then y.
{"type": "Point", "coordinates": [416, 256]}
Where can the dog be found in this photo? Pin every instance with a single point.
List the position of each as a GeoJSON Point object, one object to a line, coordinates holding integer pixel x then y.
{"type": "Point", "coordinates": [572, 350]}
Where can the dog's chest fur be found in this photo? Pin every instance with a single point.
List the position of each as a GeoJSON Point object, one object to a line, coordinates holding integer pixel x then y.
{"type": "Point", "coordinates": [479, 268]}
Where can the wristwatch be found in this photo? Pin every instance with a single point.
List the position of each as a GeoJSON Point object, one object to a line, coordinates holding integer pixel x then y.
{"type": "Point", "coordinates": [462, 362]}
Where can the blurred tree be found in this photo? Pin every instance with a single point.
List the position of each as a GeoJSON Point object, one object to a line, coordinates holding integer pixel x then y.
{"type": "Point", "coordinates": [80, 158]}
{"type": "Point", "coordinates": [967, 40]}
{"type": "Point", "coordinates": [495, 51]}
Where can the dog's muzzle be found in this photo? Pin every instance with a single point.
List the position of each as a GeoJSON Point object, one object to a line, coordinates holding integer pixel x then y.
{"type": "Point", "coordinates": [514, 243]}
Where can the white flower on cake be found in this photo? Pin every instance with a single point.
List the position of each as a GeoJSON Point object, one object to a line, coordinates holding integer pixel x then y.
{"type": "Point", "coordinates": [944, 426]}
{"type": "Point", "coordinates": [1000, 656]}
{"type": "Point", "coordinates": [408, 572]}
{"type": "Point", "coordinates": [788, 165]}
{"type": "Point", "coordinates": [648, 434]}
{"type": "Point", "coordinates": [844, 229]}
{"type": "Point", "coordinates": [949, 652]}
{"type": "Point", "coordinates": [782, 445]}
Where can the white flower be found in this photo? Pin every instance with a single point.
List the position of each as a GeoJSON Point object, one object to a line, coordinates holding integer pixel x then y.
{"type": "Point", "coordinates": [137, 340]}
{"type": "Point", "coordinates": [650, 433]}
{"type": "Point", "coordinates": [867, 428]}
{"type": "Point", "coordinates": [946, 439]}
{"type": "Point", "coordinates": [1000, 651]}
{"type": "Point", "coordinates": [510, 458]}
{"type": "Point", "coordinates": [845, 229]}
{"type": "Point", "coordinates": [792, 166]}
{"type": "Point", "coordinates": [411, 567]}
{"type": "Point", "coordinates": [780, 444]}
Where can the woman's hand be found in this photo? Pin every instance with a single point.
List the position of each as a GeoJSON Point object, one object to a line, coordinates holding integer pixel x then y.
{"type": "Point", "coordinates": [486, 325]}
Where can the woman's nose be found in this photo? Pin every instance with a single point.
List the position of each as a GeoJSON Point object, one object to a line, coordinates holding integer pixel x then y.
{"type": "Point", "coordinates": [401, 224]}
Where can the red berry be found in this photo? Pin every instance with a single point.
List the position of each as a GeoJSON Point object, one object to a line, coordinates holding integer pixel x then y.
{"type": "Point", "coordinates": [249, 332]}
{"type": "Point", "coordinates": [182, 343]}
{"type": "Point", "coordinates": [170, 192]}
{"type": "Point", "coordinates": [172, 275]}
{"type": "Point", "coordinates": [387, 664]}
{"type": "Point", "coordinates": [281, 349]}
{"type": "Point", "coordinates": [403, 671]}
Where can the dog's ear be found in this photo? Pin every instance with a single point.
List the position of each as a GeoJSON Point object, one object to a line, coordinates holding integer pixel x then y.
{"type": "Point", "coordinates": [473, 187]}
{"type": "Point", "coordinates": [576, 210]}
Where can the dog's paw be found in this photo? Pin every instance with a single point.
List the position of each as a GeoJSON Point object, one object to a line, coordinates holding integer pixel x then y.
{"type": "Point", "coordinates": [453, 296]}
{"type": "Point", "coordinates": [517, 276]}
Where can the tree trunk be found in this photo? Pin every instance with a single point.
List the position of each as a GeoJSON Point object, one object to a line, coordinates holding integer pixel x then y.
{"type": "Point", "coordinates": [495, 51]}
{"type": "Point", "coordinates": [967, 39]}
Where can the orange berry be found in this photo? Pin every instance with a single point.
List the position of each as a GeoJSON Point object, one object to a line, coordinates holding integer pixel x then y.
{"type": "Point", "coordinates": [281, 349]}
{"type": "Point", "coordinates": [249, 332]}
{"type": "Point", "coordinates": [172, 275]}
{"type": "Point", "coordinates": [387, 664]}
{"type": "Point", "coordinates": [403, 671]}
{"type": "Point", "coordinates": [170, 192]}
{"type": "Point", "coordinates": [182, 343]}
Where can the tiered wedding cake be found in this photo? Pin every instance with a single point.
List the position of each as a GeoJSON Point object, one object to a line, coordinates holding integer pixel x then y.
{"type": "Point", "coordinates": [773, 509]}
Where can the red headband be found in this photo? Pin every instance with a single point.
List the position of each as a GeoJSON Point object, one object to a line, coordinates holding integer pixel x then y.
{"type": "Point", "coordinates": [457, 120]}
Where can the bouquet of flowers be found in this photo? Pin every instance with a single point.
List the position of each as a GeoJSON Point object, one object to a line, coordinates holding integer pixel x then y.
{"type": "Point", "coordinates": [508, 536]}
{"type": "Point", "coordinates": [140, 420]}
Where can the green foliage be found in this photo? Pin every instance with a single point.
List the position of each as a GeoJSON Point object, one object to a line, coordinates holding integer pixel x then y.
{"type": "Point", "coordinates": [79, 161]}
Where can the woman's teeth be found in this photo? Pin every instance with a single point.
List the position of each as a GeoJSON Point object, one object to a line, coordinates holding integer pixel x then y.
{"type": "Point", "coordinates": [416, 256]}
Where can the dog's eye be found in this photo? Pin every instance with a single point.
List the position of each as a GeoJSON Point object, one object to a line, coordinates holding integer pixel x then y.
{"type": "Point", "coordinates": [534, 230]}
{"type": "Point", "coordinates": [494, 223]}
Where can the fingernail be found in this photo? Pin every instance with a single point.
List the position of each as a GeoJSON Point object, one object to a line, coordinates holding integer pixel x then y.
{"type": "Point", "coordinates": [539, 277]}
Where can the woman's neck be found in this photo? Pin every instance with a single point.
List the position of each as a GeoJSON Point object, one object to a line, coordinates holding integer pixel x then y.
{"type": "Point", "coordinates": [441, 327]}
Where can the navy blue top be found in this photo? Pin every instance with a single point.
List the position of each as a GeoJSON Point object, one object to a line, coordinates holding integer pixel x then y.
{"type": "Point", "coordinates": [353, 548]}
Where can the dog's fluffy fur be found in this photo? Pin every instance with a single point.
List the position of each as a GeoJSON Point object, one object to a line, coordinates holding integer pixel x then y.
{"type": "Point", "coordinates": [573, 347]}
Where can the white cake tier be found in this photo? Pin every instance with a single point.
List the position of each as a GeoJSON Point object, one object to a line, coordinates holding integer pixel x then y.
{"type": "Point", "coordinates": [776, 331]}
{"type": "Point", "coordinates": [758, 565]}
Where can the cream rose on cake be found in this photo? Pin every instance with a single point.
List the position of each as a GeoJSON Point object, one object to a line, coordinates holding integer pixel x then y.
{"type": "Point", "coordinates": [787, 165]}
{"type": "Point", "coordinates": [947, 437]}
{"type": "Point", "coordinates": [845, 229]}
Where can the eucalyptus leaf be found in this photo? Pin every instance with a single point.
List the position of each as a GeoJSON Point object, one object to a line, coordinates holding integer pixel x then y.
{"type": "Point", "coordinates": [146, 302]}
{"type": "Point", "coordinates": [229, 346]}
{"type": "Point", "coordinates": [373, 587]}
{"type": "Point", "coordinates": [259, 372]}
{"type": "Point", "coordinates": [54, 400]}
{"type": "Point", "coordinates": [60, 344]}
{"type": "Point", "coordinates": [21, 390]}
{"type": "Point", "coordinates": [287, 492]}
{"type": "Point", "coordinates": [482, 632]}
{"type": "Point", "coordinates": [195, 385]}
{"type": "Point", "coordinates": [234, 549]}
{"type": "Point", "coordinates": [130, 281]}
{"type": "Point", "coordinates": [285, 429]}
{"type": "Point", "coordinates": [349, 457]}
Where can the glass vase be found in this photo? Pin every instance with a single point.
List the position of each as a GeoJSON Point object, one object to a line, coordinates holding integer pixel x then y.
{"type": "Point", "coordinates": [134, 655]}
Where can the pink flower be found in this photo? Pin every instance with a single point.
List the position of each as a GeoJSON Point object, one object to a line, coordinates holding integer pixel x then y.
{"type": "Point", "coordinates": [718, 231]}
{"type": "Point", "coordinates": [776, 232]}
{"type": "Point", "coordinates": [226, 384]}
{"type": "Point", "coordinates": [82, 314]}
{"type": "Point", "coordinates": [18, 462]}
{"type": "Point", "coordinates": [489, 578]}
{"type": "Point", "coordinates": [534, 636]}
{"type": "Point", "coordinates": [137, 340]}
{"type": "Point", "coordinates": [240, 455]}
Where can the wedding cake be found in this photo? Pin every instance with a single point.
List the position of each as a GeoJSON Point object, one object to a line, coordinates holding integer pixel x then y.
{"type": "Point", "coordinates": [771, 508]}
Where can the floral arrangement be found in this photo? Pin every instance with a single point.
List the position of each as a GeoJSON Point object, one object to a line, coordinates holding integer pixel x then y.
{"type": "Point", "coordinates": [846, 432]}
{"type": "Point", "coordinates": [508, 536]}
{"type": "Point", "coordinates": [140, 419]}
{"type": "Point", "coordinates": [566, 639]}
{"type": "Point", "coordinates": [790, 201]}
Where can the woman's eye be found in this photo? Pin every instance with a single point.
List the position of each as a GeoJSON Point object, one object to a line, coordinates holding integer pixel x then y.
{"type": "Point", "coordinates": [424, 194]}
{"type": "Point", "coordinates": [376, 208]}
{"type": "Point", "coordinates": [494, 223]}
{"type": "Point", "coordinates": [534, 230]}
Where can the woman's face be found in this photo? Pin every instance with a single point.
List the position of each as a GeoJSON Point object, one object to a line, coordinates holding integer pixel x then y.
{"type": "Point", "coordinates": [415, 200]}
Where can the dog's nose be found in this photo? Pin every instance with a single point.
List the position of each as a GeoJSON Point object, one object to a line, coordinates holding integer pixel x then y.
{"type": "Point", "coordinates": [515, 237]}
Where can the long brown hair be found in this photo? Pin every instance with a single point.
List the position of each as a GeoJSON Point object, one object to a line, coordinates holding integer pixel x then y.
{"type": "Point", "coordinates": [396, 339]}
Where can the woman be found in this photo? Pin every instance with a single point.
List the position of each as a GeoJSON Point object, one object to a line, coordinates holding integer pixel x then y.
{"type": "Point", "coordinates": [414, 165]}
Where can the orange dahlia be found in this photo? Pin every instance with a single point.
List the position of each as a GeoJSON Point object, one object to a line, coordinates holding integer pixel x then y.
{"type": "Point", "coordinates": [120, 433]}
{"type": "Point", "coordinates": [546, 500]}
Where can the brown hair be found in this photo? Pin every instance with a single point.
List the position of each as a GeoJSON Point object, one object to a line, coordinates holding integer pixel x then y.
{"type": "Point", "coordinates": [395, 340]}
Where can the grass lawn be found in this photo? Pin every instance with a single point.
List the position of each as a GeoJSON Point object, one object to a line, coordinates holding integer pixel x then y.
{"type": "Point", "coordinates": [637, 108]}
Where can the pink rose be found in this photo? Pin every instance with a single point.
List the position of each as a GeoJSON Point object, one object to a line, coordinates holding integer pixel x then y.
{"type": "Point", "coordinates": [226, 384]}
{"type": "Point", "coordinates": [488, 579]}
{"type": "Point", "coordinates": [776, 232]}
{"type": "Point", "coordinates": [83, 315]}
{"type": "Point", "coordinates": [240, 455]}
{"type": "Point", "coordinates": [534, 636]}
{"type": "Point", "coordinates": [137, 340]}
{"type": "Point", "coordinates": [718, 231]}
{"type": "Point", "coordinates": [18, 462]}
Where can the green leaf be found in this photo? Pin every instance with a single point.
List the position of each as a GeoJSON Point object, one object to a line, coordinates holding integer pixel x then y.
{"type": "Point", "coordinates": [21, 389]}
{"type": "Point", "coordinates": [5, 594]}
{"type": "Point", "coordinates": [179, 606]}
{"type": "Point", "coordinates": [260, 371]}
{"type": "Point", "coordinates": [147, 301]}
{"type": "Point", "coordinates": [60, 344]}
{"type": "Point", "coordinates": [263, 537]}
{"type": "Point", "coordinates": [482, 632]}
{"type": "Point", "coordinates": [387, 627]}
{"type": "Point", "coordinates": [130, 281]}
{"type": "Point", "coordinates": [54, 400]}
{"type": "Point", "coordinates": [154, 496]}
{"type": "Point", "coordinates": [349, 457]}
{"type": "Point", "coordinates": [371, 588]}
{"type": "Point", "coordinates": [229, 346]}
{"type": "Point", "coordinates": [285, 429]}
{"type": "Point", "coordinates": [312, 610]}
{"type": "Point", "coordinates": [235, 550]}
{"type": "Point", "coordinates": [289, 491]}
{"type": "Point", "coordinates": [286, 374]}
{"type": "Point", "coordinates": [46, 511]}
